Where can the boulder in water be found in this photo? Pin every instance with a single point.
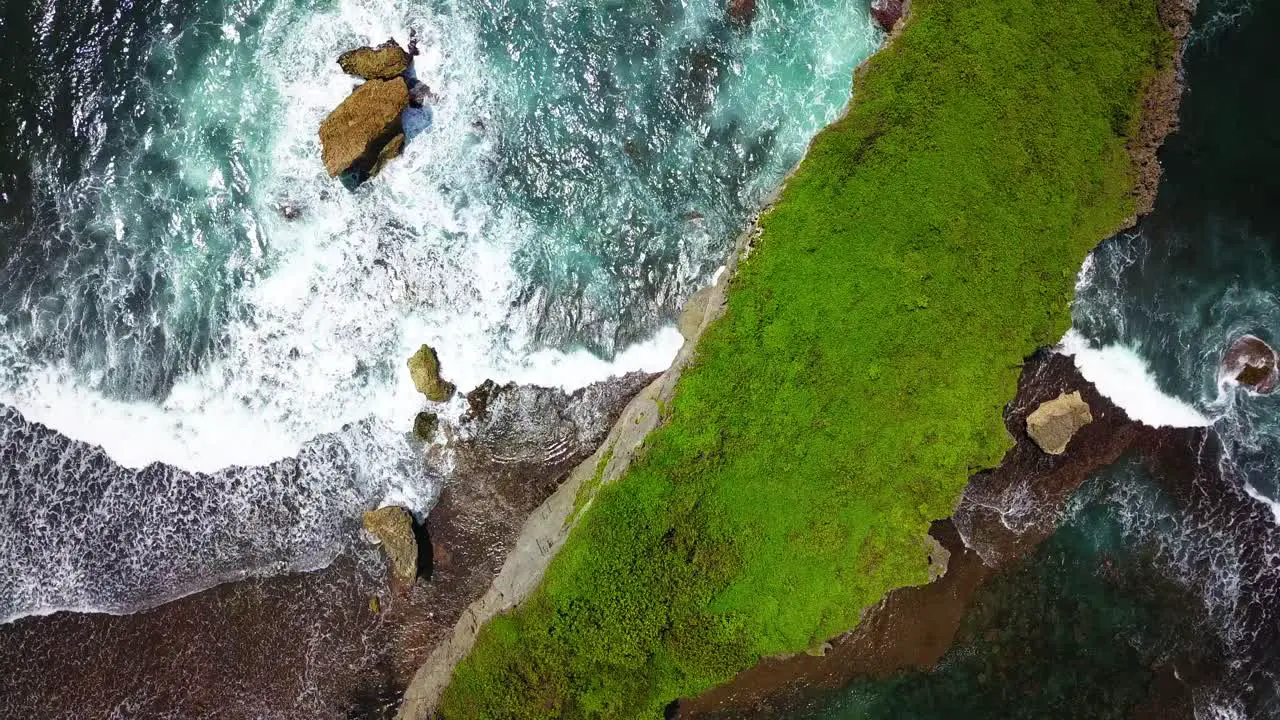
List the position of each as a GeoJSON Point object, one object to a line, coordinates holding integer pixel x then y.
{"type": "Point", "coordinates": [424, 368]}
{"type": "Point", "coordinates": [1253, 363]}
{"type": "Point", "coordinates": [425, 425]}
{"type": "Point", "coordinates": [1053, 424]}
{"type": "Point", "coordinates": [364, 132]}
{"type": "Point", "coordinates": [393, 526]}
{"type": "Point", "coordinates": [887, 13]}
{"type": "Point", "coordinates": [384, 62]}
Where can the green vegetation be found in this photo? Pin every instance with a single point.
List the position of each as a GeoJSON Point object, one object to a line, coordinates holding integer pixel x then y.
{"type": "Point", "coordinates": [926, 245]}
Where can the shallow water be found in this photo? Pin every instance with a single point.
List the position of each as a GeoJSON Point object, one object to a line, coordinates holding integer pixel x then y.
{"type": "Point", "coordinates": [586, 168]}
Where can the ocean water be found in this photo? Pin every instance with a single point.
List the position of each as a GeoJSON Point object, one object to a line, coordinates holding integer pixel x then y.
{"type": "Point", "coordinates": [197, 387]}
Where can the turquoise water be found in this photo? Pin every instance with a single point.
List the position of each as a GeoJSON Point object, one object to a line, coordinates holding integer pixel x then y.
{"type": "Point", "coordinates": [586, 168]}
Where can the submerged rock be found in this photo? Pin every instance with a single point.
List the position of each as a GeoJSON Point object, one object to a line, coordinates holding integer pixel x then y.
{"type": "Point", "coordinates": [425, 424]}
{"type": "Point", "coordinates": [1253, 363]}
{"type": "Point", "coordinates": [1053, 424]}
{"type": "Point", "coordinates": [887, 13]}
{"type": "Point", "coordinates": [741, 12]}
{"type": "Point", "coordinates": [364, 132]}
{"type": "Point", "coordinates": [393, 526]}
{"type": "Point", "coordinates": [384, 62]}
{"type": "Point", "coordinates": [424, 368]}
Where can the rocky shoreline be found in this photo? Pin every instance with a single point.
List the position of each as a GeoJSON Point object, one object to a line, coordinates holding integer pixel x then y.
{"type": "Point", "coordinates": [335, 642]}
{"type": "Point", "coordinates": [1005, 513]}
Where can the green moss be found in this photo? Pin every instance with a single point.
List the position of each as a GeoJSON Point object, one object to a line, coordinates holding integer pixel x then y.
{"type": "Point", "coordinates": [926, 245]}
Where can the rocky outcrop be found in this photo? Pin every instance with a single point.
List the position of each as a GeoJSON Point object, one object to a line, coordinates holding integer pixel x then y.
{"type": "Point", "coordinates": [1251, 362]}
{"type": "Point", "coordinates": [384, 62]}
{"type": "Point", "coordinates": [365, 131]}
{"type": "Point", "coordinates": [393, 526]}
{"type": "Point", "coordinates": [1160, 105]}
{"type": "Point", "coordinates": [1055, 422]}
{"type": "Point", "coordinates": [887, 13]}
{"type": "Point", "coordinates": [424, 368]}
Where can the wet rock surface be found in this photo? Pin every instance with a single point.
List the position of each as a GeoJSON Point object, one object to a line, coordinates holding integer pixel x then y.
{"type": "Point", "coordinates": [887, 13]}
{"type": "Point", "coordinates": [333, 643]}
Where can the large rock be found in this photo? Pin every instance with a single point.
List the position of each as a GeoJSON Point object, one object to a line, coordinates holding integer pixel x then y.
{"type": "Point", "coordinates": [887, 13]}
{"type": "Point", "coordinates": [384, 62]}
{"type": "Point", "coordinates": [364, 132]}
{"type": "Point", "coordinates": [424, 368]}
{"type": "Point", "coordinates": [393, 526]}
{"type": "Point", "coordinates": [1053, 424]}
{"type": "Point", "coordinates": [1253, 363]}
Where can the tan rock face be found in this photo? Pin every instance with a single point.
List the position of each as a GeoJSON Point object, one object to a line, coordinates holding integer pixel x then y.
{"type": "Point", "coordinates": [1053, 424]}
{"type": "Point", "coordinates": [384, 62]}
{"type": "Point", "coordinates": [365, 131]}
{"type": "Point", "coordinates": [393, 526]}
{"type": "Point", "coordinates": [424, 368]}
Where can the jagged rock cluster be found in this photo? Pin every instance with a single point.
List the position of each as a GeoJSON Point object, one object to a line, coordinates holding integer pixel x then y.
{"type": "Point", "coordinates": [365, 132]}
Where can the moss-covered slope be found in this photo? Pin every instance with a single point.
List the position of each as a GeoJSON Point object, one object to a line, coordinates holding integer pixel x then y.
{"type": "Point", "coordinates": [926, 245]}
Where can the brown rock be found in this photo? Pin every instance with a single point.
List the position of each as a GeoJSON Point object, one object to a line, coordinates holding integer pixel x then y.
{"type": "Point", "coordinates": [887, 13]}
{"type": "Point", "coordinates": [1253, 363]}
{"type": "Point", "coordinates": [384, 62]}
{"type": "Point", "coordinates": [1053, 424]}
{"type": "Point", "coordinates": [424, 368]}
{"type": "Point", "coordinates": [393, 527]}
{"type": "Point", "coordinates": [365, 131]}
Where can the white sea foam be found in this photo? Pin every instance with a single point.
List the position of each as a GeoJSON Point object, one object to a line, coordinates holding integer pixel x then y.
{"type": "Point", "coordinates": [329, 328]}
{"type": "Point", "coordinates": [1121, 374]}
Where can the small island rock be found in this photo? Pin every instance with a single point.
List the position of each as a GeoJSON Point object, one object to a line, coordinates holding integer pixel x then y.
{"type": "Point", "coordinates": [384, 62]}
{"type": "Point", "coordinates": [364, 132]}
{"type": "Point", "coordinates": [1053, 424]}
{"type": "Point", "coordinates": [1253, 363]}
{"type": "Point", "coordinates": [424, 368]}
{"type": "Point", "coordinates": [393, 526]}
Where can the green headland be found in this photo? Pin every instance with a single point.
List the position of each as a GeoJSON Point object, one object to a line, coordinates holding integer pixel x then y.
{"type": "Point", "coordinates": [927, 244]}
